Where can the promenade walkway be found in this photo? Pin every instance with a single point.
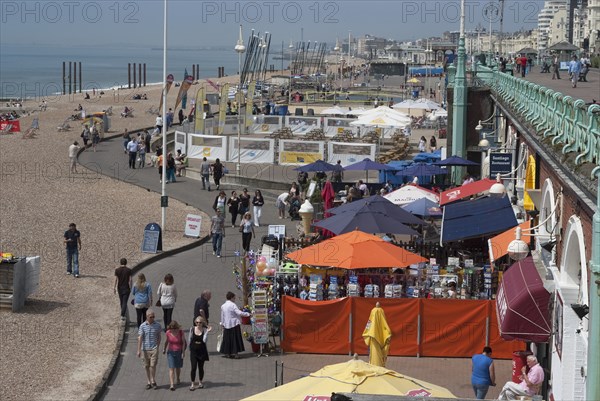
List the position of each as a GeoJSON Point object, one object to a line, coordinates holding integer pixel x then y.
{"type": "Point", "coordinates": [585, 90]}
{"type": "Point", "coordinates": [197, 269]}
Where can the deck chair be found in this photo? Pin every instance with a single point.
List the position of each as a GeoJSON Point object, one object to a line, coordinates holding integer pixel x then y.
{"type": "Point", "coordinates": [128, 114]}
{"type": "Point", "coordinates": [6, 129]}
{"type": "Point", "coordinates": [64, 126]}
{"type": "Point", "coordinates": [152, 110]}
{"type": "Point", "coordinates": [32, 131]}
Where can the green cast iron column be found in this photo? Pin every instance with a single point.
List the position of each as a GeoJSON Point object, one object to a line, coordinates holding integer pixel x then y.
{"type": "Point", "coordinates": [593, 362]}
{"type": "Point", "coordinates": [459, 115]}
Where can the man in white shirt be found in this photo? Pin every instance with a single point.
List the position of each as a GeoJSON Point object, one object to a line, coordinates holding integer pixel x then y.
{"type": "Point", "coordinates": [159, 123]}
{"type": "Point", "coordinates": [73, 149]}
{"type": "Point", "coordinates": [132, 148]}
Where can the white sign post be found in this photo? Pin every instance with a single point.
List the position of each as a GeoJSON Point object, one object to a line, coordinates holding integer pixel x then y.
{"type": "Point", "coordinates": [192, 225]}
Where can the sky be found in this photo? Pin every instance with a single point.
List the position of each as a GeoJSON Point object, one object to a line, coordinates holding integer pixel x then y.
{"type": "Point", "coordinates": [197, 23]}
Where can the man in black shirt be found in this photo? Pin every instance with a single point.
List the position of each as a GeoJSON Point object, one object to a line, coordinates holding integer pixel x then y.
{"type": "Point", "coordinates": [73, 245]}
{"type": "Point", "coordinates": [244, 202]}
{"type": "Point", "coordinates": [201, 305]}
{"type": "Point", "coordinates": [123, 285]}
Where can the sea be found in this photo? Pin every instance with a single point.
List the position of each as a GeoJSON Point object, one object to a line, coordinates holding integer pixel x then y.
{"type": "Point", "coordinates": [36, 71]}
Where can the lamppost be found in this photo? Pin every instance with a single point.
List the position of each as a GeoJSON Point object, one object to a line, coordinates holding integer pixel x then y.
{"type": "Point", "coordinates": [163, 197]}
{"type": "Point", "coordinates": [240, 49]}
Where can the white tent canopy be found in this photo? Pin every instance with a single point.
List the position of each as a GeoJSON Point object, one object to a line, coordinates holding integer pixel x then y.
{"type": "Point", "coordinates": [411, 193]}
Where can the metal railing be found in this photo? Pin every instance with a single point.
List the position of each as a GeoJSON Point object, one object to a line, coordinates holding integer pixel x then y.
{"type": "Point", "coordinates": [567, 121]}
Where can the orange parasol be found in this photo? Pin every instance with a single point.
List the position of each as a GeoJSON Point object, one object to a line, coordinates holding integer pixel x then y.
{"type": "Point", "coordinates": [355, 250]}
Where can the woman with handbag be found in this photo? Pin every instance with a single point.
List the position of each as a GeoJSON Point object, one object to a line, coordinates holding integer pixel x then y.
{"type": "Point", "coordinates": [142, 297]}
{"type": "Point", "coordinates": [247, 230]}
{"type": "Point", "coordinates": [167, 297]}
{"type": "Point", "coordinates": [232, 342]}
{"type": "Point", "coordinates": [198, 351]}
{"type": "Point", "coordinates": [234, 206]}
{"type": "Point", "coordinates": [175, 344]}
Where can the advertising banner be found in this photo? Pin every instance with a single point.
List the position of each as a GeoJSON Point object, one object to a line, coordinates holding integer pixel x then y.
{"type": "Point", "coordinates": [334, 125]}
{"type": "Point", "coordinates": [199, 116]}
{"type": "Point", "coordinates": [264, 124]}
{"type": "Point", "coordinates": [292, 152]}
{"type": "Point", "coordinates": [252, 150]}
{"type": "Point", "coordinates": [349, 153]}
{"type": "Point", "coordinates": [249, 104]}
{"type": "Point", "coordinates": [209, 146]}
{"type": "Point", "coordinates": [302, 125]}
{"type": "Point", "coordinates": [223, 108]}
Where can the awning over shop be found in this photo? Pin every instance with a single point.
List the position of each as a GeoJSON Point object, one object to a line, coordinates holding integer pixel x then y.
{"type": "Point", "coordinates": [478, 217]}
{"type": "Point", "coordinates": [464, 191]}
{"type": "Point", "coordinates": [522, 304]}
{"type": "Point", "coordinates": [498, 245]}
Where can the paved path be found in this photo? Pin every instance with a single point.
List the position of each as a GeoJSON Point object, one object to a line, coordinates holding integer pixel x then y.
{"type": "Point", "coordinates": [196, 270]}
{"type": "Point", "coordinates": [585, 90]}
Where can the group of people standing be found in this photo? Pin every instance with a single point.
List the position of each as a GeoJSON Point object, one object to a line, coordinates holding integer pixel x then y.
{"type": "Point", "coordinates": [237, 205]}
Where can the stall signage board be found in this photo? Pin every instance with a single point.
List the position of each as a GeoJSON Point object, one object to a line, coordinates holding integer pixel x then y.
{"type": "Point", "coordinates": [152, 242]}
{"type": "Point", "coordinates": [276, 230]}
{"type": "Point", "coordinates": [192, 225]}
{"type": "Point", "coordinates": [500, 163]}
{"type": "Point", "coordinates": [452, 261]}
{"type": "Point", "coordinates": [260, 325]}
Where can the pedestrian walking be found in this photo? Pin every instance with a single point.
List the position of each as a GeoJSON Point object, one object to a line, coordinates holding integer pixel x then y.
{"type": "Point", "coordinates": [574, 70]}
{"type": "Point", "coordinates": [175, 345]}
{"type": "Point", "coordinates": [95, 136]}
{"type": "Point", "coordinates": [147, 347]}
{"type": "Point", "coordinates": [170, 167]}
{"type": "Point", "coordinates": [337, 175]}
{"type": "Point", "coordinates": [556, 67]}
{"type": "Point", "coordinates": [217, 169]}
{"type": "Point", "coordinates": [483, 373]}
{"type": "Point", "coordinates": [281, 203]}
{"type": "Point", "coordinates": [201, 306]}
{"type": "Point", "coordinates": [180, 116]}
{"type": "Point", "coordinates": [422, 144]}
{"type": "Point", "coordinates": [217, 230]}
{"type": "Point", "coordinates": [159, 163]}
{"type": "Point", "coordinates": [220, 202]}
{"type": "Point", "coordinates": [244, 202]}
{"type": "Point", "coordinates": [205, 172]}
{"type": "Point", "coordinates": [123, 285]}
{"type": "Point", "coordinates": [85, 135]}
{"type": "Point", "coordinates": [147, 139]}
{"type": "Point", "coordinates": [142, 297]}
{"type": "Point", "coordinates": [132, 149]}
{"type": "Point", "coordinates": [433, 143]}
{"type": "Point", "coordinates": [141, 159]}
{"type": "Point", "coordinates": [234, 206]}
{"type": "Point", "coordinates": [73, 150]}
{"type": "Point", "coordinates": [126, 140]}
{"type": "Point", "coordinates": [159, 123]}
{"type": "Point", "coordinates": [198, 351]}
{"type": "Point", "coordinates": [233, 342]}
{"type": "Point", "coordinates": [73, 245]}
{"type": "Point", "coordinates": [257, 201]}
{"type": "Point", "coordinates": [247, 230]}
{"type": "Point", "coordinates": [167, 293]}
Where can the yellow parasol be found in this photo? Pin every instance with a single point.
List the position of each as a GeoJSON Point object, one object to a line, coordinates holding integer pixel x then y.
{"type": "Point", "coordinates": [413, 81]}
{"type": "Point", "coordinates": [377, 336]}
{"type": "Point", "coordinates": [354, 376]}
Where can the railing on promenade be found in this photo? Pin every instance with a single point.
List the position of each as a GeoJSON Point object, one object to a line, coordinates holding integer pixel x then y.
{"type": "Point", "coordinates": [568, 121]}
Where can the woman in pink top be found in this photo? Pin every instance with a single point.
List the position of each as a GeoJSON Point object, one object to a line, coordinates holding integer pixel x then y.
{"type": "Point", "coordinates": [176, 346]}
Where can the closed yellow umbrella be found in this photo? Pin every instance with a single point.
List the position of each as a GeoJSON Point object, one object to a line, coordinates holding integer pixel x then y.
{"type": "Point", "coordinates": [377, 336]}
{"type": "Point", "coordinates": [354, 376]}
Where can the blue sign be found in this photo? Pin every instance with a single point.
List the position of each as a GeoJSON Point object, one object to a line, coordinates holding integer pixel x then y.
{"type": "Point", "coordinates": [152, 242]}
{"type": "Point", "coordinates": [500, 163]}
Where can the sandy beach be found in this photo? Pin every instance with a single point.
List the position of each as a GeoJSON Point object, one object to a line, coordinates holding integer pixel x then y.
{"type": "Point", "coordinates": [60, 345]}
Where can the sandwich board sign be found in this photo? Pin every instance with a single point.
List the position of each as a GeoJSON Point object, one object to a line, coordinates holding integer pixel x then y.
{"type": "Point", "coordinates": [192, 225]}
{"type": "Point", "coordinates": [152, 242]}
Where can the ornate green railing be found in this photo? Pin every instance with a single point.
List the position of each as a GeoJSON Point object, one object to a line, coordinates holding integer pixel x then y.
{"type": "Point", "coordinates": [568, 121]}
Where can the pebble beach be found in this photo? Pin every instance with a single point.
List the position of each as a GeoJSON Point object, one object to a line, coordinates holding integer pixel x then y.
{"type": "Point", "coordinates": [61, 343]}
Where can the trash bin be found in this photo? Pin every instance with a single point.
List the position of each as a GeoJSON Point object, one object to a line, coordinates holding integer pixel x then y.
{"type": "Point", "coordinates": [518, 361]}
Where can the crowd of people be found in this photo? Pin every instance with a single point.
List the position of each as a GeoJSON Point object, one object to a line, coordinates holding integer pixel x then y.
{"type": "Point", "coordinates": [176, 340]}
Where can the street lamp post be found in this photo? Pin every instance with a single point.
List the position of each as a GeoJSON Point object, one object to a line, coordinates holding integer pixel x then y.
{"type": "Point", "coordinates": [163, 198]}
{"type": "Point", "coordinates": [240, 49]}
